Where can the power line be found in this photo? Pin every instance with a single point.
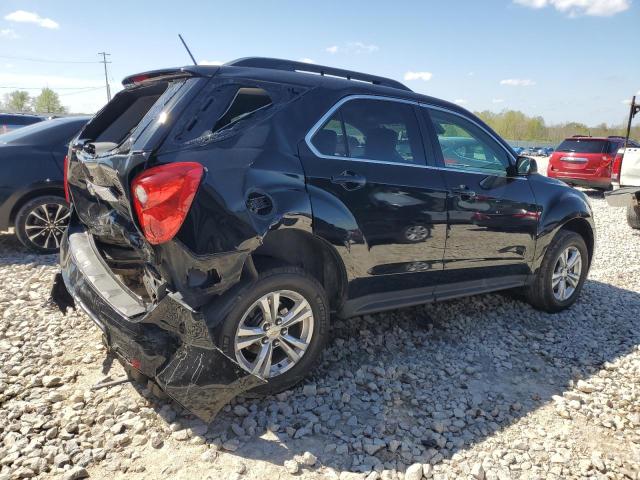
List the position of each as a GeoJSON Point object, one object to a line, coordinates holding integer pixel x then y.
{"type": "Point", "coordinates": [106, 74]}
{"type": "Point", "coordinates": [45, 60]}
{"type": "Point", "coordinates": [52, 88]}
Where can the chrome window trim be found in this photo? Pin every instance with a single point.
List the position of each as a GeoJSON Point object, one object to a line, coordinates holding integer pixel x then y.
{"type": "Point", "coordinates": [318, 125]}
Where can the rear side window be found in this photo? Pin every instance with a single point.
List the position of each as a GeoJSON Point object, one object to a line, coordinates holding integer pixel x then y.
{"type": "Point", "coordinates": [582, 145]}
{"type": "Point", "coordinates": [614, 147]}
{"type": "Point", "coordinates": [369, 129]}
{"type": "Point", "coordinates": [245, 102]}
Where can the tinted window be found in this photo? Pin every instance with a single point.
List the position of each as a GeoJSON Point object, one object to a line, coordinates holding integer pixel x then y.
{"type": "Point", "coordinates": [329, 140]}
{"type": "Point", "coordinates": [465, 146]}
{"type": "Point", "coordinates": [372, 130]}
{"type": "Point", "coordinates": [582, 145]}
{"type": "Point", "coordinates": [614, 147]}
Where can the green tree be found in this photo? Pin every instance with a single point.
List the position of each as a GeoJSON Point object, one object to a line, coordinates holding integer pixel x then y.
{"type": "Point", "coordinates": [17, 101]}
{"type": "Point", "coordinates": [48, 102]}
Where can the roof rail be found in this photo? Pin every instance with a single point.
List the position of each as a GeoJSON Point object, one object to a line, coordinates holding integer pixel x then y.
{"type": "Point", "coordinates": [292, 66]}
{"type": "Point", "coordinates": [579, 135]}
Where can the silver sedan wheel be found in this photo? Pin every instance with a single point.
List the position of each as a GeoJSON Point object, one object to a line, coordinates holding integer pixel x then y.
{"type": "Point", "coordinates": [566, 274]}
{"type": "Point", "coordinates": [274, 333]}
{"type": "Point", "coordinates": [45, 224]}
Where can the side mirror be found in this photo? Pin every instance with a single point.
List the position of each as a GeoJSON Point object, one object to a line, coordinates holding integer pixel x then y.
{"type": "Point", "coordinates": [526, 166]}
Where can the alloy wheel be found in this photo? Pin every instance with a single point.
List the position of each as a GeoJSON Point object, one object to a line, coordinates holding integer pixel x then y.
{"type": "Point", "coordinates": [274, 333]}
{"type": "Point", "coordinates": [416, 233]}
{"type": "Point", "coordinates": [46, 223]}
{"type": "Point", "coordinates": [566, 274]}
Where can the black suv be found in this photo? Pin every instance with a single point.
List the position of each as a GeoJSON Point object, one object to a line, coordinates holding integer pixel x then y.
{"type": "Point", "coordinates": [222, 214]}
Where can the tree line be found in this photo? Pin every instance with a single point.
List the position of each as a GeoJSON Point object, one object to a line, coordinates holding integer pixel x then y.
{"type": "Point", "coordinates": [20, 101]}
{"type": "Point", "coordinates": [515, 125]}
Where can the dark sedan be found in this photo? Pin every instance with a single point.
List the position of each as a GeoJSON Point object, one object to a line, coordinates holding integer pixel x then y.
{"type": "Point", "coordinates": [31, 181]}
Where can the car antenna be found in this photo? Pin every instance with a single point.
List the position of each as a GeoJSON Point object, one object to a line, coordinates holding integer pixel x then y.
{"type": "Point", "coordinates": [187, 49]}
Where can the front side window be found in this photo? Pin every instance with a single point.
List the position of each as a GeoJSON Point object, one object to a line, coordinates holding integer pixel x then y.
{"type": "Point", "coordinates": [368, 129]}
{"type": "Point", "coordinates": [465, 146]}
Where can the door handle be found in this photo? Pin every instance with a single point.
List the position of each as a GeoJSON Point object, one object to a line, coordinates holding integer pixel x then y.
{"type": "Point", "coordinates": [349, 180]}
{"type": "Point", "coordinates": [464, 191]}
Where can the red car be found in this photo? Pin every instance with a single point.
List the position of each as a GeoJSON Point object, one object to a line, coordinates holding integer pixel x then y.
{"type": "Point", "coordinates": [585, 161]}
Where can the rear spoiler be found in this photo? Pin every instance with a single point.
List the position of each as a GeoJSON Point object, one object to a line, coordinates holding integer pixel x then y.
{"type": "Point", "coordinates": [168, 74]}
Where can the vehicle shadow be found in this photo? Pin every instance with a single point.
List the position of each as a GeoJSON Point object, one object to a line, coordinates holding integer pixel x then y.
{"type": "Point", "coordinates": [428, 381]}
{"type": "Point", "coordinates": [12, 252]}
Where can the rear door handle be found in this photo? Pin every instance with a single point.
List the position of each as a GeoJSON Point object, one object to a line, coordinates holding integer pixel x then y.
{"type": "Point", "coordinates": [464, 191]}
{"type": "Point", "coordinates": [349, 180]}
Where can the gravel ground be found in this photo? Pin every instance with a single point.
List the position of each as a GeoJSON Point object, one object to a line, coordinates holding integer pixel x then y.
{"type": "Point", "coordinates": [483, 387]}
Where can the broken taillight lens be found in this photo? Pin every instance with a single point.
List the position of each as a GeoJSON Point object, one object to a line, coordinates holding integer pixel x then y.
{"type": "Point", "coordinates": [616, 167]}
{"type": "Point", "coordinates": [162, 197]}
{"type": "Point", "coordinates": [65, 178]}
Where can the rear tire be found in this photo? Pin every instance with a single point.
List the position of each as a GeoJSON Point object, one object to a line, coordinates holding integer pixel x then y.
{"type": "Point", "coordinates": [633, 216]}
{"type": "Point", "coordinates": [41, 222]}
{"type": "Point", "coordinates": [290, 284]}
{"type": "Point", "coordinates": [546, 292]}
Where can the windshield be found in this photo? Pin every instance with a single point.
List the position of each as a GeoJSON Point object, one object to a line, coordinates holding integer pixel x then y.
{"type": "Point", "coordinates": [583, 145]}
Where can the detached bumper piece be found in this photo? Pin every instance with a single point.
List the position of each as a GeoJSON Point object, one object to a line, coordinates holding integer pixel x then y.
{"type": "Point", "coordinates": [168, 343]}
{"type": "Point", "coordinates": [623, 197]}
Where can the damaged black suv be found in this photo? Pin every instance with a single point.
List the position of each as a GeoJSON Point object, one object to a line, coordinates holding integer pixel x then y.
{"type": "Point", "coordinates": [220, 215]}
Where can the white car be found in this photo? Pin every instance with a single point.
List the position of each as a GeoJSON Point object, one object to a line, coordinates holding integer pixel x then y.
{"type": "Point", "coordinates": [625, 179]}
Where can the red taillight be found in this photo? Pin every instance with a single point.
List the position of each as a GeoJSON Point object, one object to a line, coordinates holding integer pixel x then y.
{"type": "Point", "coordinates": [617, 166]}
{"type": "Point", "coordinates": [162, 197]}
{"type": "Point", "coordinates": [65, 177]}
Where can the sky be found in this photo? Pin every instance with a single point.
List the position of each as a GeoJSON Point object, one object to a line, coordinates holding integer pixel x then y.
{"type": "Point", "coordinates": [565, 60]}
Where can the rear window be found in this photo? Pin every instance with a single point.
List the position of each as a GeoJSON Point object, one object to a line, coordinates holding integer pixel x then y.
{"type": "Point", "coordinates": [134, 115]}
{"type": "Point", "coordinates": [582, 145]}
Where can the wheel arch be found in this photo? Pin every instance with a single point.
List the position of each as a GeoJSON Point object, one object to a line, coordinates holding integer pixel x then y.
{"type": "Point", "coordinates": [54, 190]}
{"type": "Point", "coordinates": [309, 252]}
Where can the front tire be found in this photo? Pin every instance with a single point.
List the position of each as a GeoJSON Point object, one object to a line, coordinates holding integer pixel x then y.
{"type": "Point", "coordinates": [41, 222]}
{"type": "Point", "coordinates": [561, 276]}
{"type": "Point", "coordinates": [633, 216]}
{"type": "Point", "coordinates": [277, 328]}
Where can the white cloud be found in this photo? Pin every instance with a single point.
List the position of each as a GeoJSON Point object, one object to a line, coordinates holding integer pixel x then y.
{"type": "Point", "coordinates": [517, 82]}
{"type": "Point", "coordinates": [307, 60]}
{"type": "Point", "coordinates": [461, 101]}
{"type": "Point", "coordinates": [596, 8]}
{"type": "Point", "coordinates": [426, 76]}
{"type": "Point", "coordinates": [210, 62]}
{"type": "Point", "coordinates": [9, 33]}
{"type": "Point", "coordinates": [353, 47]}
{"type": "Point", "coordinates": [497, 100]}
{"type": "Point", "coordinates": [626, 101]}
{"type": "Point", "coordinates": [471, 74]}
{"type": "Point", "coordinates": [22, 16]}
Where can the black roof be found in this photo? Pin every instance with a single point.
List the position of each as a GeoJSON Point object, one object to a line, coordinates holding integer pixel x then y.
{"type": "Point", "coordinates": [306, 74]}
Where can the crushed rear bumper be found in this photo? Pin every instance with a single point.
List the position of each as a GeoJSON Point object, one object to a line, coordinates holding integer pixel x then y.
{"type": "Point", "coordinates": [168, 342]}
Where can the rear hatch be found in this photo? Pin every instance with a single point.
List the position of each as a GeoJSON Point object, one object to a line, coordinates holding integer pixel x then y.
{"type": "Point", "coordinates": [118, 143]}
{"type": "Point", "coordinates": [582, 155]}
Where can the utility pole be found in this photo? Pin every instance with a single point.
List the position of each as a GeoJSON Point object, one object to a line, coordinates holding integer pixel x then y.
{"type": "Point", "coordinates": [106, 76]}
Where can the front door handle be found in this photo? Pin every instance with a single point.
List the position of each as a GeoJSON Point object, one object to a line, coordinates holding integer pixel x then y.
{"type": "Point", "coordinates": [464, 191]}
{"type": "Point", "coordinates": [349, 180]}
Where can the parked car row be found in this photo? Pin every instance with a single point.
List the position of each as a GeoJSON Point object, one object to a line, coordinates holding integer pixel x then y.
{"type": "Point", "coordinates": [221, 214]}
{"type": "Point", "coordinates": [534, 151]}
{"type": "Point", "coordinates": [587, 161]}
